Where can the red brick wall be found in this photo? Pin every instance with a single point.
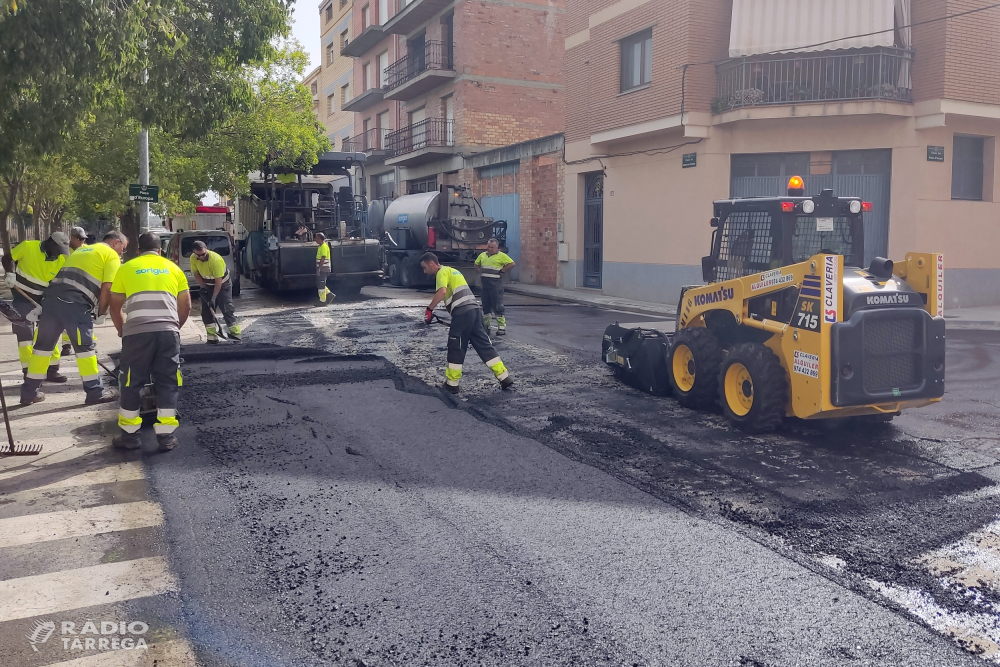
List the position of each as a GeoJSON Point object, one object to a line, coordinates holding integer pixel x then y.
{"type": "Point", "coordinates": [493, 114]}
{"type": "Point", "coordinates": [972, 53]}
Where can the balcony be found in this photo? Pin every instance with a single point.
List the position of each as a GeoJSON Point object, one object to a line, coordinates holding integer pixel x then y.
{"type": "Point", "coordinates": [371, 143]}
{"type": "Point", "coordinates": [419, 71]}
{"type": "Point", "coordinates": [365, 100]}
{"type": "Point", "coordinates": [371, 36]}
{"type": "Point", "coordinates": [870, 74]}
{"type": "Point", "coordinates": [421, 142]}
{"type": "Point", "coordinates": [413, 15]}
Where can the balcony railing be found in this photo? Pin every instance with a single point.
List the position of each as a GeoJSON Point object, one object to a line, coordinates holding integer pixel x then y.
{"type": "Point", "coordinates": [430, 133]}
{"type": "Point", "coordinates": [871, 74]}
{"type": "Point", "coordinates": [435, 55]}
{"type": "Point", "coordinates": [367, 142]}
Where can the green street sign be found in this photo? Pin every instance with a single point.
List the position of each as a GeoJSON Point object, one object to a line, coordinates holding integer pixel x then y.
{"type": "Point", "coordinates": [148, 193]}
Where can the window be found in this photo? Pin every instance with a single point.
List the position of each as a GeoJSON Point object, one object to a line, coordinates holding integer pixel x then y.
{"type": "Point", "coordinates": [314, 88]}
{"type": "Point", "coordinates": [968, 157]}
{"type": "Point", "coordinates": [383, 128]}
{"type": "Point", "coordinates": [637, 60]}
{"type": "Point", "coordinates": [329, 13]}
{"type": "Point", "coordinates": [383, 65]}
{"type": "Point", "coordinates": [343, 3]}
{"type": "Point", "coordinates": [218, 244]}
{"type": "Point", "coordinates": [366, 72]}
{"type": "Point", "coordinates": [429, 184]}
{"type": "Point", "coordinates": [383, 11]}
{"type": "Point", "coordinates": [365, 17]}
{"type": "Point", "coordinates": [384, 185]}
{"type": "Point", "coordinates": [329, 54]}
{"type": "Point", "coordinates": [330, 104]}
{"type": "Point", "coordinates": [345, 95]}
{"type": "Point", "coordinates": [343, 40]}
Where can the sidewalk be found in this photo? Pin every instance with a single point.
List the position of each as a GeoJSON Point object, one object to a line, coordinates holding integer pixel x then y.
{"type": "Point", "coordinates": [82, 539]}
{"type": "Point", "coordinates": [986, 317]}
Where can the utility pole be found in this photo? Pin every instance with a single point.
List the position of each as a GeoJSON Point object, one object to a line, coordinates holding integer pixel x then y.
{"type": "Point", "coordinates": [143, 178]}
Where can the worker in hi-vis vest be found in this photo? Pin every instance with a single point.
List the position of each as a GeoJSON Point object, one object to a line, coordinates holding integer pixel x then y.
{"type": "Point", "coordinates": [38, 262]}
{"type": "Point", "coordinates": [466, 323]}
{"type": "Point", "coordinates": [150, 302]}
{"type": "Point", "coordinates": [77, 238]}
{"type": "Point", "coordinates": [212, 275]}
{"type": "Point", "coordinates": [323, 269]}
{"type": "Point", "coordinates": [492, 265]}
{"type": "Point", "coordinates": [78, 294]}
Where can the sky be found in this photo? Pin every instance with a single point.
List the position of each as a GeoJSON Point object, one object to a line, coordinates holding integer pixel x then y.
{"type": "Point", "coordinates": [305, 28]}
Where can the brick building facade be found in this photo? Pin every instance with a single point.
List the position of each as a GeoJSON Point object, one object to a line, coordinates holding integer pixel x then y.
{"type": "Point", "coordinates": [672, 104]}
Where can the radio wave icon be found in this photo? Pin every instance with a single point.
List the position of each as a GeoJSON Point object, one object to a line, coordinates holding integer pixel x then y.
{"type": "Point", "coordinates": [41, 633]}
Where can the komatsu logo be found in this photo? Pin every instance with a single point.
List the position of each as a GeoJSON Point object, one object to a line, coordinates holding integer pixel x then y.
{"type": "Point", "coordinates": [887, 299]}
{"type": "Point", "coordinates": [724, 294]}
{"type": "Point", "coordinates": [831, 298]}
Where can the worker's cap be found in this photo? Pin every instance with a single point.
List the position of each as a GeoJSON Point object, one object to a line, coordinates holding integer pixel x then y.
{"type": "Point", "coordinates": [198, 246]}
{"type": "Point", "coordinates": [61, 240]}
{"type": "Point", "coordinates": [78, 233]}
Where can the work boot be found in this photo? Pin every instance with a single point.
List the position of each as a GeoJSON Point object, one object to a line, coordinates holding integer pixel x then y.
{"type": "Point", "coordinates": [38, 398]}
{"type": "Point", "coordinates": [167, 441]}
{"type": "Point", "coordinates": [450, 388]}
{"type": "Point", "coordinates": [104, 396]}
{"type": "Point", "coordinates": [54, 375]}
{"type": "Point", "coordinates": [501, 332]}
{"type": "Point", "coordinates": [66, 349]}
{"type": "Point", "coordinates": [126, 441]}
{"type": "Point", "coordinates": [506, 383]}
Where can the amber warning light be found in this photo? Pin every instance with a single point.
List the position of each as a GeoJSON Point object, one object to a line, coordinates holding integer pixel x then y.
{"type": "Point", "coordinates": [796, 188]}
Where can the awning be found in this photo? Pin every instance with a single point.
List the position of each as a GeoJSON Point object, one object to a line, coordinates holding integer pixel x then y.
{"type": "Point", "coordinates": [764, 26]}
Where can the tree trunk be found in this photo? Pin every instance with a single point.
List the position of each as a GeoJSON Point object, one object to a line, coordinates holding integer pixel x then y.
{"type": "Point", "coordinates": [12, 188]}
{"type": "Point", "coordinates": [130, 227]}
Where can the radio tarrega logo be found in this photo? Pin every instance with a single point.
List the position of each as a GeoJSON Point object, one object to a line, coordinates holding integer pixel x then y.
{"type": "Point", "coordinates": [40, 633]}
{"type": "Point", "coordinates": [93, 636]}
{"type": "Point", "coordinates": [831, 298]}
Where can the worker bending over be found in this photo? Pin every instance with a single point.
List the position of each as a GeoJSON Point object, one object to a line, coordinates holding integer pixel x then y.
{"type": "Point", "coordinates": [492, 265]}
{"type": "Point", "coordinates": [466, 323]}
{"type": "Point", "coordinates": [38, 262]}
{"type": "Point", "coordinates": [77, 238]}
{"type": "Point", "coordinates": [322, 268]}
{"type": "Point", "coordinates": [150, 302]}
{"type": "Point", "coordinates": [80, 292]}
{"type": "Point", "coordinates": [209, 270]}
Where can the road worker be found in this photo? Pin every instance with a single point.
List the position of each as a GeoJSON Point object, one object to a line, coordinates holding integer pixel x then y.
{"type": "Point", "coordinates": [209, 269]}
{"type": "Point", "coordinates": [38, 262]}
{"type": "Point", "coordinates": [77, 238]}
{"type": "Point", "coordinates": [466, 323]}
{"type": "Point", "coordinates": [323, 269]}
{"type": "Point", "coordinates": [150, 302]}
{"type": "Point", "coordinates": [77, 294]}
{"type": "Point", "coordinates": [492, 265]}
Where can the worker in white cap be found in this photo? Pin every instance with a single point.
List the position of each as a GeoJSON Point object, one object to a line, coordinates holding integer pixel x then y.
{"type": "Point", "coordinates": [77, 237]}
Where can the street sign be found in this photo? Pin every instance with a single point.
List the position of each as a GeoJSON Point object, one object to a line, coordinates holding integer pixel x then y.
{"type": "Point", "coordinates": [689, 160]}
{"type": "Point", "coordinates": [935, 153]}
{"type": "Point", "coordinates": [147, 193]}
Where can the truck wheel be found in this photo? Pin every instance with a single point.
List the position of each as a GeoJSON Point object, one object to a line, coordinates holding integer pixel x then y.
{"type": "Point", "coordinates": [406, 272]}
{"type": "Point", "coordinates": [753, 388]}
{"type": "Point", "coordinates": [394, 272]}
{"type": "Point", "coordinates": [694, 367]}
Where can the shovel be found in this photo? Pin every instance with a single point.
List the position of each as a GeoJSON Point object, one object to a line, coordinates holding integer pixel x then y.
{"type": "Point", "coordinates": [15, 450]}
{"type": "Point", "coordinates": [219, 322]}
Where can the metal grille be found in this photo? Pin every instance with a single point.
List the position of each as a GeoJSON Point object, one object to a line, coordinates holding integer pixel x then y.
{"type": "Point", "coordinates": [892, 358]}
{"type": "Point", "coordinates": [806, 241]}
{"type": "Point", "coordinates": [593, 231]}
{"type": "Point", "coordinates": [746, 246]}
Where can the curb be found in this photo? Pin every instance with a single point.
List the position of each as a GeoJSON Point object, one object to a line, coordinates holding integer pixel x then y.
{"type": "Point", "coordinates": [570, 297]}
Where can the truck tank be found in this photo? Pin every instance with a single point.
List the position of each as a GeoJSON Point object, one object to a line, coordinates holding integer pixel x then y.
{"type": "Point", "coordinates": [406, 218]}
{"type": "Point", "coordinates": [376, 218]}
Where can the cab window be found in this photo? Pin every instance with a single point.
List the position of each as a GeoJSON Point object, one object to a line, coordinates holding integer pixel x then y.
{"type": "Point", "coordinates": [746, 245]}
{"type": "Point", "coordinates": [218, 244]}
{"type": "Point", "coordinates": [808, 240]}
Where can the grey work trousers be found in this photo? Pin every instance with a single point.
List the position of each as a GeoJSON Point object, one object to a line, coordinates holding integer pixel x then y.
{"type": "Point", "coordinates": [153, 355]}
{"type": "Point", "coordinates": [223, 303]}
{"type": "Point", "coordinates": [74, 318]}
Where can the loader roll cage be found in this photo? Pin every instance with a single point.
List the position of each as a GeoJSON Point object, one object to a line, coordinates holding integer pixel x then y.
{"type": "Point", "coordinates": [758, 234]}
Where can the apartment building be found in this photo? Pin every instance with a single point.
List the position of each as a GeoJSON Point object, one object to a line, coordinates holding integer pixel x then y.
{"type": "Point", "coordinates": [331, 88]}
{"type": "Point", "coordinates": [437, 82]}
{"type": "Point", "coordinates": [672, 104]}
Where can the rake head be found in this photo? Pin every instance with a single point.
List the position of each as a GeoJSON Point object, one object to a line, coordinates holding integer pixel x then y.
{"type": "Point", "coordinates": [28, 449]}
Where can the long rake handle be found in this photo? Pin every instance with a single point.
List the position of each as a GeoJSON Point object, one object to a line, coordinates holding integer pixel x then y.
{"type": "Point", "coordinates": [6, 418]}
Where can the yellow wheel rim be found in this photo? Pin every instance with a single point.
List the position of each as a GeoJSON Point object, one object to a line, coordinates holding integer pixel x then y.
{"type": "Point", "coordinates": [683, 367]}
{"type": "Point", "coordinates": [739, 389]}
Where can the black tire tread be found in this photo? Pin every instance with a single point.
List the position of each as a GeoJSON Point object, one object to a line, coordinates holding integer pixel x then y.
{"type": "Point", "coordinates": [708, 356]}
{"type": "Point", "coordinates": [770, 388]}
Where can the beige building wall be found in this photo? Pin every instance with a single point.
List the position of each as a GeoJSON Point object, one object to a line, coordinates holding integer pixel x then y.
{"type": "Point", "coordinates": [334, 83]}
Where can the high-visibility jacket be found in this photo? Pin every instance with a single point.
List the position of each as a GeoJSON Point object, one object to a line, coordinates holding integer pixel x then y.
{"type": "Point", "coordinates": [458, 296]}
{"type": "Point", "coordinates": [150, 284]}
{"type": "Point", "coordinates": [211, 269]}
{"type": "Point", "coordinates": [34, 269]}
{"type": "Point", "coordinates": [84, 272]}
{"type": "Point", "coordinates": [491, 264]}
{"type": "Point", "coordinates": [323, 252]}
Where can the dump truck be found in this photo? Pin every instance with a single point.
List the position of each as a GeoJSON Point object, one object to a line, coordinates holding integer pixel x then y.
{"type": "Point", "coordinates": [268, 249]}
{"type": "Point", "coordinates": [791, 324]}
{"type": "Point", "coordinates": [448, 221]}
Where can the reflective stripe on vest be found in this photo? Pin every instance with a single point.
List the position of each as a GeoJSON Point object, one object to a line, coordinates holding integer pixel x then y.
{"type": "Point", "coordinates": [461, 296]}
{"type": "Point", "coordinates": [150, 284]}
{"type": "Point", "coordinates": [490, 272]}
{"type": "Point", "coordinates": [80, 280]}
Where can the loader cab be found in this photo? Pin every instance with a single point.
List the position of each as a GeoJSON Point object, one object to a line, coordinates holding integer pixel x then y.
{"type": "Point", "coordinates": [758, 234]}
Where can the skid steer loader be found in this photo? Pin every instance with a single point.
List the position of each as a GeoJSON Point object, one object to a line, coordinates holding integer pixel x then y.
{"type": "Point", "coordinates": [789, 324]}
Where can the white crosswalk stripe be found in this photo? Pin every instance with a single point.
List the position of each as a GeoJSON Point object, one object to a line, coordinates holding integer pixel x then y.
{"type": "Point", "coordinates": [34, 528]}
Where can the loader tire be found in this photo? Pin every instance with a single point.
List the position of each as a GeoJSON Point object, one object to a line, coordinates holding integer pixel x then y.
{"type": "Point", "coordinates": [693, 367]}
{"type": "Point", "coordinates": [406, 272]}
{"type": "Point", "coordinates": [753, 388]}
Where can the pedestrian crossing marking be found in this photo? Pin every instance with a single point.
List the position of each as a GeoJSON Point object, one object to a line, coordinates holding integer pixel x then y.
{"type": "Point", "coordinates": [173, 653]}
{"type": "Point", "coordinates": [123, 472]}
{"type": "Point", "coordinates": [34, 528]}
{"type": "Point", "coordinates": [84, 587]}
{"type": "Point", "coordinates": [54, 450]}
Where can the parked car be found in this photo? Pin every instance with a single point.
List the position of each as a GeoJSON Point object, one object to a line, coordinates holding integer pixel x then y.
{"type": "Point", "coordinates": [179, 251]}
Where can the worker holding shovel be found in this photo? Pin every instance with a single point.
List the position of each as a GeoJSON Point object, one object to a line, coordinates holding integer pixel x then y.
{"type": "Point", "coordinates": [209, 269]}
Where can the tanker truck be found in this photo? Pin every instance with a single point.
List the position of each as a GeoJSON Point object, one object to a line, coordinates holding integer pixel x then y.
{"type": "Point", "coordinates": [448, 222]}
{"type": "Point", "coordinates": [273, 257]}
